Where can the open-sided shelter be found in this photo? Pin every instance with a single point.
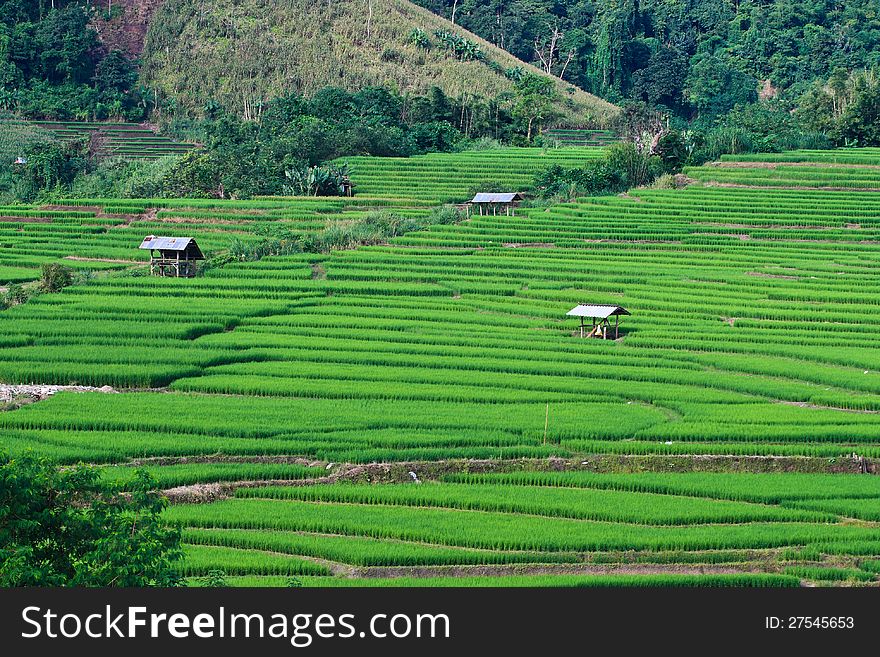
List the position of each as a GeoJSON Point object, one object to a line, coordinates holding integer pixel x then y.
{"type": "Point", "coordinates": [600, 322]}
{"type": "Point", "coordinates": [493, 202]}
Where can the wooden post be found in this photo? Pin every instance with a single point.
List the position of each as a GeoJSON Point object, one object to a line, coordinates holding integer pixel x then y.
{"type": "Point", "coordinates": [546, 421]}
{"type": "Point", "coordinates": [616, 326]}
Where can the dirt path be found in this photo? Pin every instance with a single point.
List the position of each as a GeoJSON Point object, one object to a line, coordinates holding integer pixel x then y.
{"type": "Point", "coordinates": [430, 470]}
{"type": "Point", "coordinates": [495, 570]}
{"type": "Point", "coordinates": [715, 183]}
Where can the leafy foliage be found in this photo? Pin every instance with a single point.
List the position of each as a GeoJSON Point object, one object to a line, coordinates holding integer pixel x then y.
{"type": "Point", "coordinates": [700, 56]}
{"type": "Point", "coordinates": [54, 277]}
{"type": "Point", "coordinates": [846, 107]}
{"type": "Point", "coordinates": [534, 104]}
{"type": "Point", "coordinates": [52, 65]}
{"type": "Point", "coordinates": [620, 169]}
{"type": "Point", "coordinates": [329, 180]}
{"type": "Point", "coordinates": [461, 48]}
{"type": "Point", "coordinates": [64, 528]}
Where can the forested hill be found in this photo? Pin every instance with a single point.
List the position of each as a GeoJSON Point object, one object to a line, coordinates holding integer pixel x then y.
{"type": "Point", "coordinates": [242, 52]}
{"type": "Point", "coordinates": [130, 59]}
{"type": "Point", "coordinates": [692, 56]}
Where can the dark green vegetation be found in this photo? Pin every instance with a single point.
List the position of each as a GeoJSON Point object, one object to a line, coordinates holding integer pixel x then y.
{"type": "Point", "coordinates": [752, 336]}
{"type": "Point", "coordinates": [281, 154]}
{"type": "Point", "coordinates": [53, 66]}
{"type": "Point", "coordinates": [65, 528]}
{"type": "Point", "coordinates": [244, 158]}
{"type": "Point", "coordinates": [259, 118]}
{"type": "Point", "coordinates": [697, 57]}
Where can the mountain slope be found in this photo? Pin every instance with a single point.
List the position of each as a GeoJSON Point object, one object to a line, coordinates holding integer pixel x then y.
{"type": "Point", "coordinates": [241, 52]}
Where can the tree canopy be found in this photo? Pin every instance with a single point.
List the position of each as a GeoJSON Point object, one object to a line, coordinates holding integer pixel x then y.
{"type": "Point", "coordinates": [64, 527]}
{"type": "Point", "coordinates": [690, 56]}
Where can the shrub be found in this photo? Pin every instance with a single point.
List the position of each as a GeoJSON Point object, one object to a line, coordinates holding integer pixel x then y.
{"type": "Point", "coordinates": [447, 214]}
{"type": "Point", "coordinates": [328, 180]}
{"type": "Point", "coordinates": [392, 55]}
{"type": "Point", "coordinates": [215, 579]}
{"type": "Point", "coordinates": [419, 38]}
{"type": "Point", "coordinates": [16, 294]}
{"type": "Point", "coordinates": [54, 277]}
{"type": "Point", "coordinates": [622, 168]}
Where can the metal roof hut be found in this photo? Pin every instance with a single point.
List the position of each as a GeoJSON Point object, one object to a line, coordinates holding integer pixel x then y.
{"type": "Point", "coordinates": [172, 256]}
{"type": "Point", "coordinates": [599, 316]}
{"type": "Point", "coordinates": [495, 201]}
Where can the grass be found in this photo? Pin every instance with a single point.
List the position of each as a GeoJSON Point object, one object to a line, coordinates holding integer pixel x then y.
{"type": "Point", "coordinates": [503, 531]}
{"type": "Point", "coordinates": [579, 581]}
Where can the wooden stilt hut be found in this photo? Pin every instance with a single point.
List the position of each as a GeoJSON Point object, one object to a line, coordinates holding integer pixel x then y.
{"type": "Point", "coordinates": [172, 256]}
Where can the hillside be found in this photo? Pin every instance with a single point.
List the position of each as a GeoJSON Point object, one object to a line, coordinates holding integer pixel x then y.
{"type": "Point", "coordinates": [243, 52]}
{"type": "Point", "coordinates": [726, 437]}
{"type": "Point", "coordinates": [127, 27]}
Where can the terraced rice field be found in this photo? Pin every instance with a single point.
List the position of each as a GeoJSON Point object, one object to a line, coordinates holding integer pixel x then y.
{"type": "Point", "coordinates": [105, 233]}
{"type": "Point", "coordinates": [581, 136]}
{"type": "Point", "coordinates": [843, 169]}
{"type": "Point", "coordinates": [128, 140]}
{"type": "Point", "coordinates": [426, 415]}
{"type": "Point", "coordinates": [456, 177]}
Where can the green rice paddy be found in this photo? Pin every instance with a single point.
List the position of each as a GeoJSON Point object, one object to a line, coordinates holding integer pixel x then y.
{"type": "Point", "coordinates": [447, 353]}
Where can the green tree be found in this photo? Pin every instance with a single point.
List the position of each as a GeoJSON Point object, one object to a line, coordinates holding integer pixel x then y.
{"type": "Point", "coordinates": [48, 165]}
{"type": "Point", "coordinates": [661, 81]}
{"type": "Point", "coordinates": [66, 45]}
{"type": "Point", "coordinates": [66, 528]}
{"type": "Point", "coordinates": [534, 102]}
{"type": "Point", "coordinates": [714, 87]}
{"type": "Point", "coordinates": [847, 108]}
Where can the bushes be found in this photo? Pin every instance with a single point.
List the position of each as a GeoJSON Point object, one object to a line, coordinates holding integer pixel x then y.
{"type": "Point", "coordinates": [622, 168]}
{"type": "Point", "coordinates": [457, 46]}
{"type": "Point", "coordinates": [59, 70]}
{"type": "Point", "coordinates": [418, 37]}
{"type": "Point", "coordinates": [65, 528]}
{"type": "Point", "coordinates": [374, 228]}
{"type": "Point", "coordinates": [758, 128]}
{"type": "Point", "coordinates": [124, 178]}
{"type": "Point", "coordinates": [18, 140]}
{"type": "Point", "coordinates": [48, 165]}
{"type": "Point", "coordinates": [15, 295]}
{"type": "Point", "coordinates": [55, 277]}
{"type": "Point", "coordinates": [847, 108]}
